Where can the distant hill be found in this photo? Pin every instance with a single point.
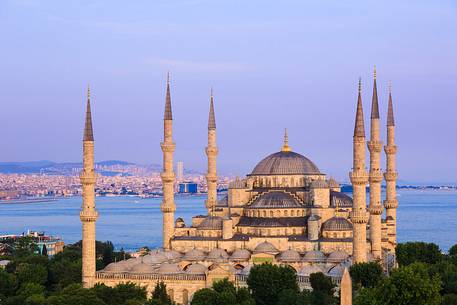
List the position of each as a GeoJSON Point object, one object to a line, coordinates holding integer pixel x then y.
{"type": "Point", "coordinates": [106, 168]}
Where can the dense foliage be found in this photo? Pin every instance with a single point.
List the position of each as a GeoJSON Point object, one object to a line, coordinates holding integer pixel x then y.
{"type": "Point", "coordinates": [425, 277]}
{"type": "Point", "coordinates": [34, 279]}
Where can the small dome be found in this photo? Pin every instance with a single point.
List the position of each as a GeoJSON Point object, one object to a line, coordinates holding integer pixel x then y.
{"type": "Point", "coordinates": [211, 223]}
{"type": "Point", "coordinates": [179, 223]}
{"type": "Point", "coordinates": [167, 268]}
{"type": "Point", "coordinates": [171, 254]}
{"type": "Point", "coordinates": [143, 268]}
{"type": "Point", "coordinates": [196, 269]}
{"type": "Point", "coordinates": [285, 163]}
{"type": "Point", "coordinates": [217, 253]}
{"type": "Point", "coordinates": [337, 257]}
{"type": "Point", "coordinates": [194, 255]}
{"type": "Point", "coordinates": [337, 224]}
{"type": "Point", "coordinates": [319, 184]}
{"type": "Point", "coordinates": [133, 261]}
{"type": "Point", "coordinates": [240, 255]}
{"type": "Point", "coordinates": [314, 257]}
{"type": "Point", "coordinates": [266, 247]}
{"type": "Point", "coordinates": [117, 267]}
{"type": "Point", "coordinates": [332, 183]}
{"type": "Point", "coordinates": [314, 217]}
{"type": "Point", "coordinates": [310, 269]}
{"type": "Point", "coordinates": [336, 271]}
{"type": "Point", "coordinates": [275, 199]}
{"type": "Point", "coordinates": [154, 258]}
{"type": "Point", "coordinates": [289, 256]}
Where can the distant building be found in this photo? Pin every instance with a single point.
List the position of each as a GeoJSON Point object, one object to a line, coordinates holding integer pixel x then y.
{"type": "Point", "coordinates": [188, 188]}
{"type": "Point", "coordinates": [180, 170]}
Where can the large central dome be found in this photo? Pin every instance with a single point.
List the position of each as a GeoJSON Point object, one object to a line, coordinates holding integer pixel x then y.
{"type": "Point", "coordinates": [285, 163]}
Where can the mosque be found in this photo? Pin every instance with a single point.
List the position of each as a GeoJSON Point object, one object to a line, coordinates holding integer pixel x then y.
{"type": "Point", "coordinates": [286, 211]}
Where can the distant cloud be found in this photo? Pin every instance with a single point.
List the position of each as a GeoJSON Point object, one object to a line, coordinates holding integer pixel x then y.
{"type": "Point", "coordinates": [219, 66]}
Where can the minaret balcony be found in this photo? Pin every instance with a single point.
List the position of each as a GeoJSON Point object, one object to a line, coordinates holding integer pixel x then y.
{"type": "Point", "coordinates": [167, 177]}
{"type": "Point", "coordinates": [376, 209]}
{"type": "Point", "coordinates": [390, 149]}
{"type": "Point", "coordinates": [167, 207]}
{"type": "Point", "coordinates": [211, 178]}
{"type": "Point", "coordinates": [88, 216]}
{"type": "Point", "coordinates": [391, 203]}
{"type": "Point", "coordinates": [168, 147]}
{"type": "Point", "coordinates": [375, 176]}
{"type": "Point", "coordinates": [87, 177]}
{"type": "Point", "coordinates": [359, 177]}
{"type": "Point", "coordinates": [390, 175]}
{"type": "Point", "coordinates": [374, 146]}
{"type": "Point", "coordinates": [211, 150]}
{"type": "Point", "coordinates": [359, 216]}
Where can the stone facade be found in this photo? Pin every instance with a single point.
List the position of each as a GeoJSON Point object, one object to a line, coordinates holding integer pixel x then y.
{"type": "Point", "coordinates": [286, 211]}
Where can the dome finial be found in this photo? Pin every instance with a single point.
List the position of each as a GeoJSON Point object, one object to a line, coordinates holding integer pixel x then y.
{"type": "Point", "coordinates": [285, 146]}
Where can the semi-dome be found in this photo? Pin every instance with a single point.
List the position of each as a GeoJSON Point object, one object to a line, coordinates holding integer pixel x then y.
{"type": "Point", "coordinates": [337, 224]}
{"type": "Point", "coordinates": [217, 253]}
{"type": "Point", "coordinates": [289, 256]}
{"type": "Point", "coordinates": [337, 256]}
{"type": "Point", "coordinates": [143, 268]}
{"type": "Point", "coordinates": [194, 255]}
{"type": "Point", "coordinates": [274, 200]}
{"type": "Point", "coordinates": [196, 269]}
{"type": "Point", "coordinates": [154, 258]}
{"type": "Point", "coordinates": [310, 269]}
{"type": "Point", "coordinates": [314, 256]}
{"type": "Point", "coordinates": [211, 223]}
{"type": "Point", "coordinates": [340, 199]}
{"type": "Point", "coordinates": [240, 255]}
{"type": "Point", "coordinates": [336, 271]}
{"type": "Point", "coordinates": [167, 268]}
{"type": "Point", "coordinates": [285, 163]}
{"type": "Point", "coordinates": [266, 247]}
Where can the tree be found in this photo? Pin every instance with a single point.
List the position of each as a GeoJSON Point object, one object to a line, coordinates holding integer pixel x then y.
{"type": "Point", "coordinates": [321, 283]}
{"type": "Point", "coordinates": [120, 294]}
{"type": "Point", "coordinates": [160, 294]}
{"type": "Point", "coordinates": [288, 297]}
{"type": "Point", "coordinates": [28, 273]}
{"type": "Point", "coordinates": [453, 250]}
{"type": "Point", "coordinates": [266, 281]}
{"type": "Point", "coordinates": [447, 272]}
{"type": "Point", "coordinates": [44, 252]}
{"type": "Point", "coordinates": [205, 296]}
{"type": "Point", "coordinates": [75, 295]}
{"type": "Point", "coordinates": [8, 284]}
{"type": "Point", "coordinates": [405, 286]}
{"type": "Point", "coordinates": [449, 299]}
{"type": "Point", "coordinates": [412, 252]}
{"type": "Point", "coordinates": [366, 275]}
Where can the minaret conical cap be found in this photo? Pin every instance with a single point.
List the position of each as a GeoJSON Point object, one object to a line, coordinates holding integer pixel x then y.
{"type": "Point", "coordinates": [390, 111]}
{"type": "Point", "coordinates": [359, 129]}
{"type": "Point", "coordinates": [285, 146]}
{"type": "Point", "coordinates": [374, 101]}
{"type": "Point", "coordinates": [212, 118]}
{"type": "Point", "coordinates": [168, 114]}
{"type": "Point", "coordinates": [88, 132]}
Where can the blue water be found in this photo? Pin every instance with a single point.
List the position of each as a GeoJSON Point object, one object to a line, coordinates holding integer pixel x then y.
{"type": "Point", "coordinates": [131, 222]}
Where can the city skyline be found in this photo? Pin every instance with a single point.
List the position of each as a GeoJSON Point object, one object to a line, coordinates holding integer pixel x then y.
{"type": "Point", "coordinates": [311, 80]}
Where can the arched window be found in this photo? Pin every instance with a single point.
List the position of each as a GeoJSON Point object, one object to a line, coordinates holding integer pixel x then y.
{"type": "Point", "coordinates": [185, 297]}
{"type": "Point", "coordinates": [292, 213]}
{"type": "Point", "coordinates": [271, 214]}
{"type": "Point", "coordinates": [285, 213]}
{"type": "Point", "coordinates": [264, 213]}
{"type": "Point", "coordinates": [171, 293]}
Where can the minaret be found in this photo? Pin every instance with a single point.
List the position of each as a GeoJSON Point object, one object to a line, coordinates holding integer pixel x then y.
{"type": "Point", "coordinates": [211, 151]}
{"type": "Point", "coordinates": [168, 176]}
{"type": "Point", "coordinates": [390, 175]}
{"type": "Point", "coordinates": [88, 214]}
{"type": "Point", "coordinates": [375, 176]}
{"type": "Point", "coordinates": [359, 179]}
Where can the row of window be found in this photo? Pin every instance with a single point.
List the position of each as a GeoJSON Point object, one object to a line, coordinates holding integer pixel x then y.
{"type": "Point", "coordinates": [275, 213]}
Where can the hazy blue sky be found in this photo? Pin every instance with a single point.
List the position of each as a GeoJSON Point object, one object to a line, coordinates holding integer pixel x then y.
{"type": "Point", "coordinates": [273, 64]}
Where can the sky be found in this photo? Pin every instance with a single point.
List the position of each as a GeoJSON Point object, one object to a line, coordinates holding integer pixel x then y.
{"type": "Point", "coordinates": [272, 64]}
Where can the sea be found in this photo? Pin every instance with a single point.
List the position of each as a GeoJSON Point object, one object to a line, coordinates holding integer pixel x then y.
{"type": "Point", "coordinates": [133, 222]}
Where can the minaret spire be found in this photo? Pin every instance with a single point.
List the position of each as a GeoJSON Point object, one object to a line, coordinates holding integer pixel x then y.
{"type": "Point", "coordinates": [359, 179]}
{"type": "Point", "coordinates": [285, 146]}
{"type": "Point", "coordinates": [168, 176]}
{"type": "Point", "coordinates": [211, 152]}
{"type": "Point", "coordinates": [375, 175]}
{"type": "Point", "coordinates": [88, 213]}
{"type": "Point", "coordinates": [88, 132]}
{"type": "Point", "coordinates": [390, 175]}
{"type": "Point", "coordinates": [168, 113]}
